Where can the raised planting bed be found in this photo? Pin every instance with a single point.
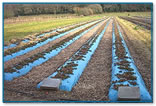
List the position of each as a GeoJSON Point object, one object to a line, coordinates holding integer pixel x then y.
{"type": "Point", "coordinates": [15, 44]}
{"type": "Point", "coordinates": [17, 51]}
{"type": "Point", "coordinates": [137, 22]}
{"type": "Point", "coordinates": [72, 69]}
{"type": "Point", "coordinates": [26, 65]}
{"type": "Point", "coordinates": [142, 19]}
{"type": "Point", "coordinates": [10, 46]}
{"type": "Point", "coordinates": [124, 71]}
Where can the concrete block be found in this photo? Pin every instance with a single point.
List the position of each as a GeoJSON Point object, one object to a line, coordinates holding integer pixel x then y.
{"type": "Point", "coordinates": [128, 93]}
{"type": "Point", "coordinates": [50, 83]}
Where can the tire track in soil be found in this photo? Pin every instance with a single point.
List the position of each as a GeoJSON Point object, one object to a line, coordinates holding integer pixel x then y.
{"type": "Point", "coordinates": [28, 82]}
{"type": "Point", "coordinates": [141, 56]}
{"type": "Point", "coordinates": [20, 58]}
{"type": "Point", "coordinates": [95, 81]}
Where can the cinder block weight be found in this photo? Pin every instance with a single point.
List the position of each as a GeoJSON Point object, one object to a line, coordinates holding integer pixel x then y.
{"type": "Point", "coordinates": [50, 83]}
{"type": "Point", "coordinates": [128, 94]}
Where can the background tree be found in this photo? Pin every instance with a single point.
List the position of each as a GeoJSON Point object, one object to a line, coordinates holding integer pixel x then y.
{"type": "Point", "coordinates": [14, 10]}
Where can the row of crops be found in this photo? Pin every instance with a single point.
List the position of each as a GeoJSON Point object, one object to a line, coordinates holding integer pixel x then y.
{"type": "Point", "coordinates": [124, 71]}
{"type": "Point", "coordinates": [146, 23]}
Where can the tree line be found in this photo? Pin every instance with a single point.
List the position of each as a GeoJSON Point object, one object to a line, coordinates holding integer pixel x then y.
{"type": "Point", "coordinates": [14, 10]}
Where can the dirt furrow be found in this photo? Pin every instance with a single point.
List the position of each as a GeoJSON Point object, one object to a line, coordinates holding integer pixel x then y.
{"type": "Point", "coordinates": [28, 82]}
{"type": "Point", "coordinates": [18, 59]}
{"type": "Point", "coordinates": [95, 81]}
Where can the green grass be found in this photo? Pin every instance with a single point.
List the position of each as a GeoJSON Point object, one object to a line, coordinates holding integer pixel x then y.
{"type": "Point", "coordinates": [144, 14]}
{"type": "Point", "coordinates": [19, 27]}
{"type": "Point", "coordinates": [140, 33]}
{"type": "Point", "coordinates": [22, 29]}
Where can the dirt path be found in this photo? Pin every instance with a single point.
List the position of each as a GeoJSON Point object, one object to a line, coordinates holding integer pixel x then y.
{"type": "Point", "coordinates": [141, 56]}
{"type": "Point", "coordinates": [28, 83]}
{"type": "Point", "coordinates": [95, 81]}
{"type": "Point", "coordinates": [18, 59]}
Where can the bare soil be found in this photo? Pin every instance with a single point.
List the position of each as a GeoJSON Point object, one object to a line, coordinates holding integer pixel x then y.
{"type": "Point", "coordinates": [95, 81]}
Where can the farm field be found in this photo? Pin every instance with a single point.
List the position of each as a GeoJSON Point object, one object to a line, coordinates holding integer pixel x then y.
{"type": "Point", "coordinates": [92, 55]}
{"type": "Point", "coordinates": [26, 25]}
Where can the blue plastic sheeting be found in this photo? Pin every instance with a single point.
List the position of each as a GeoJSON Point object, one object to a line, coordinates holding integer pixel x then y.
{"type": "Point", "coordinates": [21, 52]}
{"type": "Point", "coordinates": [47, 56]}
{"type": "Point", "coordinates": [68, 83]}
{"type": "Point", "coordinates": [14, 45]}
{"type": "Point", "coordinates": [25, 40]}
{"type": "Point", "coordinates": [113, 94]}
{"type": "Point", "coordinates": [46, 33]}
{"type": "Point", "coordinates": [10, 46]}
